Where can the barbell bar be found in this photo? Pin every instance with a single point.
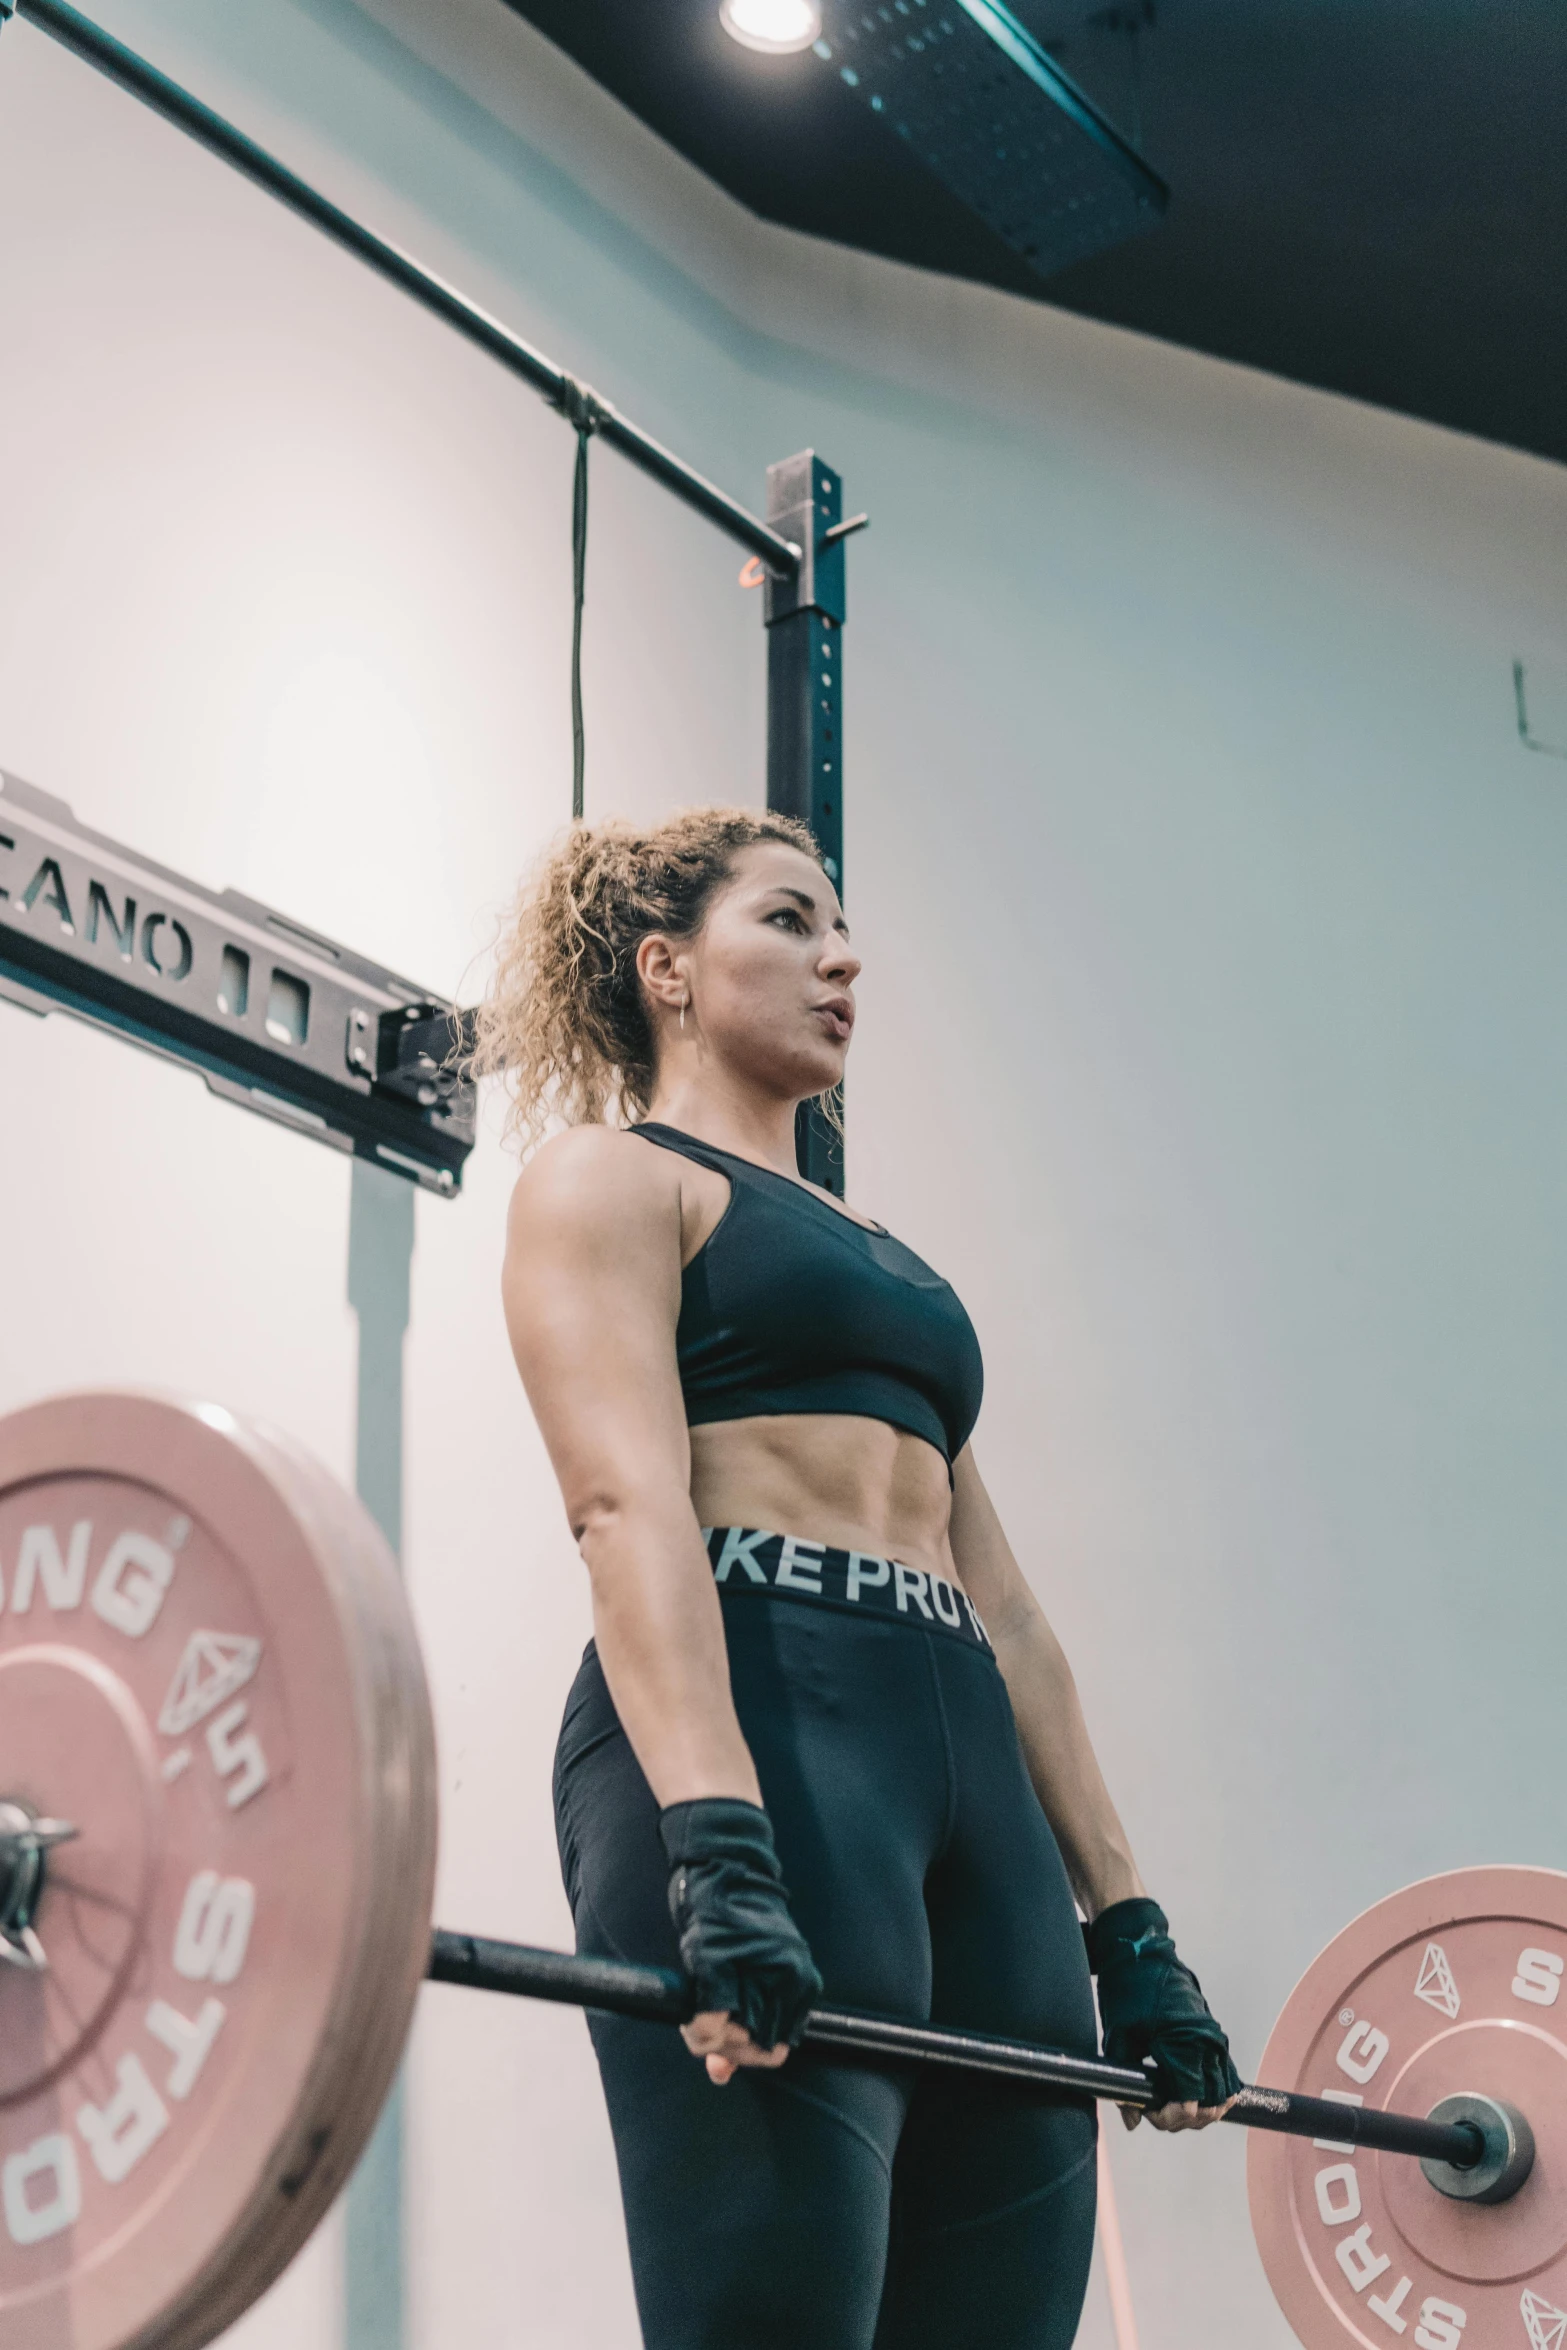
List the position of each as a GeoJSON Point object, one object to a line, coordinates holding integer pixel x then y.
{"type": "Point", "coordinates": [656, 1995]}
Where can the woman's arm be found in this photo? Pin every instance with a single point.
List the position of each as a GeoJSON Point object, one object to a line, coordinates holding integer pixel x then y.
{"type": "Point", "coordinates": [592, 1294]}
{"type": "Point", "coordinates": [1049, 1714]}
{"type": "Point", "coordinates": [1154, 2008]}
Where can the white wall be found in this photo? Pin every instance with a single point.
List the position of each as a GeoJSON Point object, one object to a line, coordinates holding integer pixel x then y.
{"type": "Point", "coordinates": [1213, 1037]}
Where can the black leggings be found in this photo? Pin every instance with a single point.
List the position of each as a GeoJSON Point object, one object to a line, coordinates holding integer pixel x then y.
{"type": "Point", "coordinates": [833, 2206]}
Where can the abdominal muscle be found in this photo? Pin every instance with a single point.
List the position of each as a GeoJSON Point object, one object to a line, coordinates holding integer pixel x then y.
{"type": "Point", "coordinates": [853, 1484]}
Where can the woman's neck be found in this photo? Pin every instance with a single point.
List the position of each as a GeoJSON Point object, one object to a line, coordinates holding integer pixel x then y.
{"type": "Point", "coordinates": [731, 1119]}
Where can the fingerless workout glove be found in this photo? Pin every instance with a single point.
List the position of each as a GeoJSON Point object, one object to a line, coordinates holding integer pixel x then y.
{"type": "Point", "coordinates": [1152, 2006]}
{"type": "Point", "coordinates": [743, 1951]}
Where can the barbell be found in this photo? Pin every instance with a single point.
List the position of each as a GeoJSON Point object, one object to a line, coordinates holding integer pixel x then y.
{"type": "Point", "coordinates": [217, 1859]}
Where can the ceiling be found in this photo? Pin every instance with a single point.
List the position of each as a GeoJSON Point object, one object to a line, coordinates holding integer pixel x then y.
{"type": "Point", "coordinates": [1366, 195]}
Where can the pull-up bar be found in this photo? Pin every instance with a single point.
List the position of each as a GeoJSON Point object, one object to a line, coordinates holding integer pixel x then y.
{"type": "Point", "coordinates": [98, 48]}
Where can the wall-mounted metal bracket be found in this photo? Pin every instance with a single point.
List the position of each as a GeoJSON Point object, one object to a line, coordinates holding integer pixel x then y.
{"type": "Point", "coordinates": [273, 1016]}
{"type": "Point", "coordinates": [1526, 734]}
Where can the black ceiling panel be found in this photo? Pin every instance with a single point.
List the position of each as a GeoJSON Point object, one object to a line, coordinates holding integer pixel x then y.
{"type": "Point", "coordinates": [990, 113]}
{"type": "Point", "coordinates": [1367, 195]}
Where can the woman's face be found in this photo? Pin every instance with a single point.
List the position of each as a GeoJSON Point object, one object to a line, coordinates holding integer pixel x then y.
{"type": "Point", "coordinates": [769, 977]}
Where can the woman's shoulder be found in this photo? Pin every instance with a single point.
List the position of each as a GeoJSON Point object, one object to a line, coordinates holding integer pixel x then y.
{"type": "Point", "coordinates": [588, 1174]}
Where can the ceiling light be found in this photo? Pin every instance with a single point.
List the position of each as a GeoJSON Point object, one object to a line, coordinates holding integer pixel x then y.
{"type": "Point", "coordinates": [776, 26]}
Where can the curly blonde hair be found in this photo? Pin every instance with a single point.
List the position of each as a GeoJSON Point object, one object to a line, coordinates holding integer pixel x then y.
{"type": "Point", "coordinates": [564, 1022]}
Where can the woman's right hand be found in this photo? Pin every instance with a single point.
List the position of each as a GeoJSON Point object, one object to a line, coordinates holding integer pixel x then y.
{"type": "Point", "coordinates": [725, 2046]}
{"type": "Point", "coordinates": [753, 1975]}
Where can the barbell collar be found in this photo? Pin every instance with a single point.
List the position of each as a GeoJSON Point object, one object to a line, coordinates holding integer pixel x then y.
{"type": "Point", "coordinates": [1506, 2156]}
{"type": "Point", "coordinates": [25, 1843]}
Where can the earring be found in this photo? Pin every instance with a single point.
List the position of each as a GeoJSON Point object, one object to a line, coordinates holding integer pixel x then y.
{"type": "Point", "coordinates": [683, 1002]}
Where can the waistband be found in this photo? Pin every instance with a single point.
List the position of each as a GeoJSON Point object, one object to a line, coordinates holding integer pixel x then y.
{"type": "Point", "coordinates": [786, 1566]}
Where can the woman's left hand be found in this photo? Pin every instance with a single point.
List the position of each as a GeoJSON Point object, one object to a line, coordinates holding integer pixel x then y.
{"type": "Point", "coordinates": [1190, 2116]}
{"type": "Point", "coordinates": [1152, 2008]}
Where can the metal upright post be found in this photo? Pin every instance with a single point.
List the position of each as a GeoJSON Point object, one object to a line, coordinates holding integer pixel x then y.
{"type": "Point", "coordinates": [380, 1272]}
{"type": "Point", "coordinates": [805, 616]}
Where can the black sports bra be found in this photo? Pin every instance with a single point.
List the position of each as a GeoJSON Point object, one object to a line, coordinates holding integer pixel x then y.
{"type": "Point", "coordinates": [790, 1306]}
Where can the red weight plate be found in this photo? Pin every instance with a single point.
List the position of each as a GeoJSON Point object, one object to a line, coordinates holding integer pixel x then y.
{"type": "Point", "coordinates": [207, 1667]}
{"type": "Point", "coordinates": [1453, 1985]}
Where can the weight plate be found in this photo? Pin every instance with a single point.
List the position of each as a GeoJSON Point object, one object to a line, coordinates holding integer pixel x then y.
{"type": "Point", "coordinates": [208, 1668]}
{"type": "Point", "coordinates": [1452, 1985]}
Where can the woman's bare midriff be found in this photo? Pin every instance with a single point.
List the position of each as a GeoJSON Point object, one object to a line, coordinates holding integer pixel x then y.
{"type": "Point", "coordinates": [854, 1484]}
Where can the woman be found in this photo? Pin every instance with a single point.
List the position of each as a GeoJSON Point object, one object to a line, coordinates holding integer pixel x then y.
{"type": "Point", "coordinates": [824, 1740]}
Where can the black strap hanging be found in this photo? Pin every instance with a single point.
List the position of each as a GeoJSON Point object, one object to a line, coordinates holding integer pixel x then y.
{"type": "Point", "coordinates": [581, 410]}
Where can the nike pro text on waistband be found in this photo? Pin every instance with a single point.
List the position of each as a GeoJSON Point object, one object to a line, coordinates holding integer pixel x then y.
{"type": "Point", "coordinates": [751, 1559]}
